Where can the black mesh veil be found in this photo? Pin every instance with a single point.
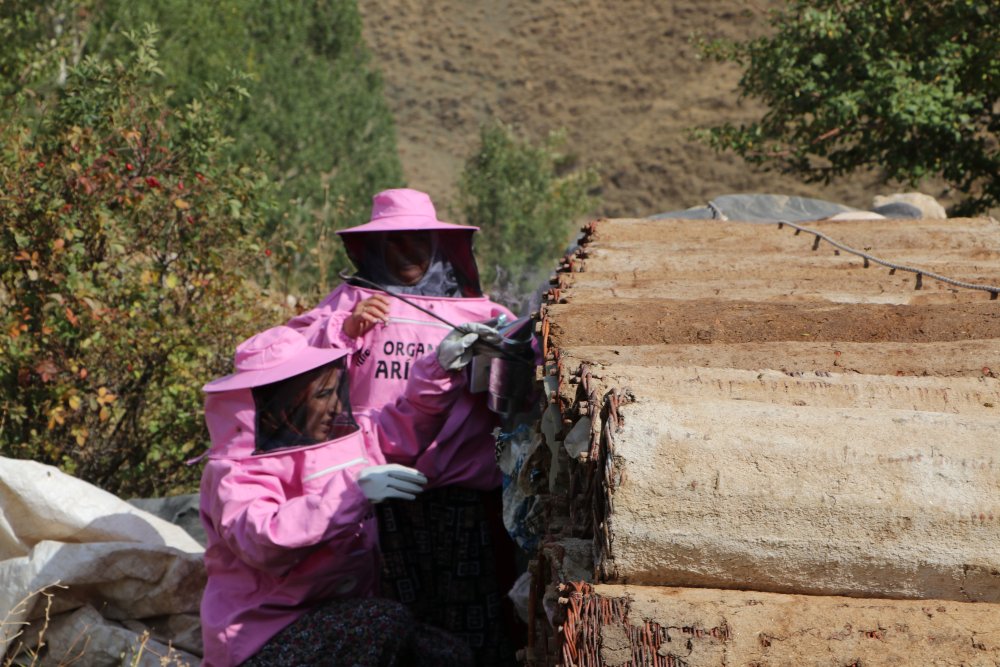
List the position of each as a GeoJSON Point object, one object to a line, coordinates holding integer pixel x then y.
{"type": "Point", "coordinates": [452, 271]}
{"type": "Point", "coordinates": [305, 409]}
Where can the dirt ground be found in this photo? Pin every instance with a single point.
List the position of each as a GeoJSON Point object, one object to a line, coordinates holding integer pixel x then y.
{"type": "Point", "coordinates": [665, 321]}
{"type": "Point", "coordinates": [622, 78]}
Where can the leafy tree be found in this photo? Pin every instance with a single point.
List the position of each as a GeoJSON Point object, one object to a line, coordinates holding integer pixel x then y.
{"type": "Point", "coordinates": [125, 227]}
{"type": "Point", "coordinates": [39, 41]}
{"type": "Point", "coordinates": [524, 198]}
{"type": "Point", "coordinates": [908, 86]}
{"type": "Point", "coordinates": [314, 118]}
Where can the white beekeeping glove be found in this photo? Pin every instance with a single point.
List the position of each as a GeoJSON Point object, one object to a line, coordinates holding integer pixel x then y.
{"type": "Point", "coordinates": [390, 481]}
{"type": "Point", "coordinates": [456, 350]}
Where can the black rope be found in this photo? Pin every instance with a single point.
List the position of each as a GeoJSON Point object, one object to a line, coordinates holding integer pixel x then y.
{"type": "Point", "coordinates": [892, 266]}
{"type": "Point", "coordinates": [344, 275]}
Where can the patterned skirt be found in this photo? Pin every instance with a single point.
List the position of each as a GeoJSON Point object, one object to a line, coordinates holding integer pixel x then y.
{"type": "Point", "coordinates": [448, 558]}
{"type": "Point", "coordinates": [367, 632]}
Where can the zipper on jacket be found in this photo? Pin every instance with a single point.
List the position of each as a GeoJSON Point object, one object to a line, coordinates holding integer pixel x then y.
{"type": "Point", "coordinates": [339, 466]}
{"type": "Point", "coordinates": [406, 320]}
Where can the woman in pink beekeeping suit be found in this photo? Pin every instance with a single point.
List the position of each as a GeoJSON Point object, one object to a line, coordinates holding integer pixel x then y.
{"type": "Point", "coordinates": [287, 501]}
{"type": "Point", "coordinates": [447, 555]}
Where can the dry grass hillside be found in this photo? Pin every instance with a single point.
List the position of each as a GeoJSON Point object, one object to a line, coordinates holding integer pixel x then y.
{"type": "Point", "coordinates": [622, 78]}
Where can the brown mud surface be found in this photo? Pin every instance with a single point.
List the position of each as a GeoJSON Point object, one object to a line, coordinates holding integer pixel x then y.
{"type": "Point", "coordinates": [972, 358]}
{"type": "Point", "coordinates": [636, 322]}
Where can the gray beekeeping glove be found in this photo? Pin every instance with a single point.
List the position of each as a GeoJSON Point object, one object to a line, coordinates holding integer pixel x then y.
{"type": "Point", "coordinates": [458, 347]}
{"type": "Point", "coordinates": [391, 480]}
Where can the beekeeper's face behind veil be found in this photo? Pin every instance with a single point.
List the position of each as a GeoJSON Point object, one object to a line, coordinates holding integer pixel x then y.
{"type": "Point", "coordinates": [300, 394]}
{"type": "Point", "coordinates": [407, 255]}
{"type": "Point", "coordinates": [305, 409]}
{"type": "Point", "coordinates": [406, 249]}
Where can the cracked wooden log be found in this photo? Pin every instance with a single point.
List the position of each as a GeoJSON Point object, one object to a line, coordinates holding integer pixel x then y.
{"type": "Point", "coordinates": [670, 627]}
{"type": "Point", "coordinates": [760, 415]}
{"type": "Point", "coordinates": [806, 486]}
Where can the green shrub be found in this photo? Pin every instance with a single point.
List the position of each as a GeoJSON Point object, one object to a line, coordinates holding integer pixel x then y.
{"type": "Point", "coordinates": [525, 199]}
{"type": "Point", "coordinates": [38, 39]}
{"type": "Point", "coordinates": [124, 289]}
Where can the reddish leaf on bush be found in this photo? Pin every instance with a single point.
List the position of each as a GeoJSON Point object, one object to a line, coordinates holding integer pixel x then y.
{"type": "Point", "coordinates": [46, 369]}
{"type": "Point", "coordinates": [88, 185]}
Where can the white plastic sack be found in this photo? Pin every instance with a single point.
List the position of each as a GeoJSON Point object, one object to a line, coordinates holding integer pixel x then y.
{"type": "Point", "coordinates": [86, 547]}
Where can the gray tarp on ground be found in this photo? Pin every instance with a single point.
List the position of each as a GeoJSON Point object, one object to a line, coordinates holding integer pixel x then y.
{"type": "Point", "coordinates": [113, 571]}
{"type": "Point", "coordinates": [181, 510]}
{"type": "Point", "coordinates": [779, 207]}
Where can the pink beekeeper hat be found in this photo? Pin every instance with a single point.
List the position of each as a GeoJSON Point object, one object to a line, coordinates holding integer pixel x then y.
{"type": "Point", "coordinates": [401, 210]}
{"type": "Point", "coordinates": [272, 355]}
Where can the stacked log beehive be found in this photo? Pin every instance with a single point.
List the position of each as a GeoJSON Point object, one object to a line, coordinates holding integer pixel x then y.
{"type": "Point", "coordinates": [767, 412]}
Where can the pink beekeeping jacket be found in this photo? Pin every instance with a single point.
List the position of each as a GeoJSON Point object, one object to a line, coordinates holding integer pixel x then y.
{"type": "Point", "coordinates": [463, 454]}
{"type": "Point", "coordinates": [289, 529]}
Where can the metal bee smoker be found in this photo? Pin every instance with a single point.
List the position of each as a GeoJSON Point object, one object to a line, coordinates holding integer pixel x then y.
{"type": "Point", "coordinates": [508, 372]}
